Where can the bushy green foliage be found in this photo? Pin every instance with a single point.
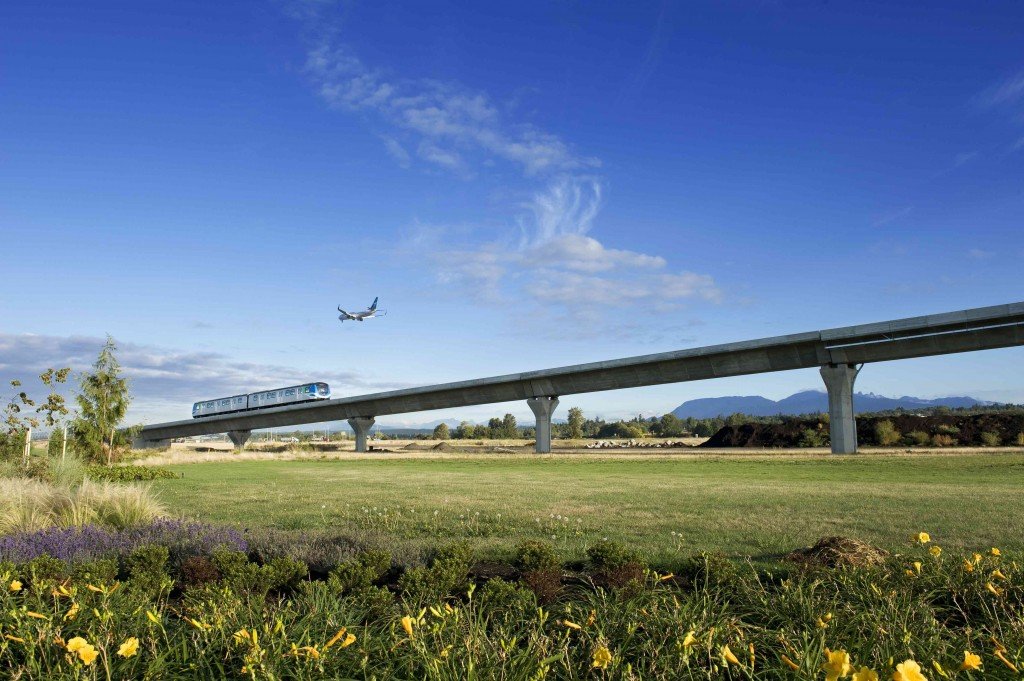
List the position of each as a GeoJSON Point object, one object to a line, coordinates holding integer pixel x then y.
{"type": "Point", "coordinates": [242, 576]}
{"type": "Point", "coordinates": [363, 571]}
{"type": "Point", "coordinates": [886, 434]}
{"type": "Point", "coordinates": [447, 576]}
{"type": "Point", "coordinates": [919, 438]}
{"type": "Point", "coordinates": [990, 439]}
{"type": "Point", "coordinates": [129, 473]}
{"type": "Point", "coordinates": [536, 555]}
{"type": "Point", "coordinates": [915, 605]}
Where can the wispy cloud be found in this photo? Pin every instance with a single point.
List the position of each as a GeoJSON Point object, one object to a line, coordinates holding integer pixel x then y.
{"type": "Point", "coordinates": [566, 274]}
{"type": "Point", "coordinates": [164, 382]}
{"type": "Point", "coordinates": [979, 254]}
{"type": "Point", "coordinates": [891, 216]}
{"type": "Point", "coordinates": [446, 122]}
{"type": "Point", "coordinates": [1007, 91]}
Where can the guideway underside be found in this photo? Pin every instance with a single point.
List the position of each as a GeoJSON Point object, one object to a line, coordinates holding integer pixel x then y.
{"type": "Point", "coordinates": [838, 353]}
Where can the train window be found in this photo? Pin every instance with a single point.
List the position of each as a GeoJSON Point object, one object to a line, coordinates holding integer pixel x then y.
{"type": "Point", "coordinates": [289, 392]}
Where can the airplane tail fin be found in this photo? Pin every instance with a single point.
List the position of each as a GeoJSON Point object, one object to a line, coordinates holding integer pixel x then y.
{"type": "Point", "coordinates": [374, 306]}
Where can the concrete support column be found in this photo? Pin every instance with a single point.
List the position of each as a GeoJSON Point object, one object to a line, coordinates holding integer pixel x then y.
{"type": "Point", "coordinates": [543, 408]}
{"type": "Point", "coordinates": [143, 443]}
{"type": "Point", "coordinates": [361, 425]}
{"type": "Point", "coordinates": [839, 380]}
{"type": "Point", "coordinates": [239, 438]}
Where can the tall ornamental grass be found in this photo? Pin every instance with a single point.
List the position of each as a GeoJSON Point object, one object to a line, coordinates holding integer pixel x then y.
{"type": "Point", "coordinates": [27, 505]}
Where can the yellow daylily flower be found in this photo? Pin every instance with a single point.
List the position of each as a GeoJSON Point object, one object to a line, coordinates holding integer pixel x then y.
{"type": "Point", "coordinates": [998, 574]}
{"type": "Point", "coordinates": [865, 674]}
{"type": "Point", "coordinates": [917, 566]}
{"type": "Point", "coordinates": [1002, 658]}
{"type": "Point", "coordinates": [407, 625]}
{"type": "Point", "coordinates": [349, 640]}
{"type": "Point", "coordinates": [689, 639]}
{"type": "Point", "coordinates": [935, 551]}
{"type": "Point", "coordinates": [971, 661]}
{"type": "Point", "coordinates": [36, 615]}
{"type": "Point", "coordinates": [602, 657]}
{"type": "Point", "coordinates": [823, 621]}
{"type": "Point", "coordinates": [571, 625]}
{"type": "Point", "coordinates": [995, 552]}
{"type": "Point", "coordinates": [908, 670]}
{"type": "Point", "coordinates": [335, 638]}
{"type": "Point", "coordinates": [728, 655]}
{"type": "Point", "coordinates": [129, 648]}
{"type": "Point", "coordinates": [837, 664]}
{"type": "Point", "coordinates": [993, 589]}
{"type": "Point", "coordinates": [72, 612]}
{"type": "Point", "coordinates": [923, 537]}
{"type": "Point", "coordinates": [968, 566]}
{"type": "Point", "coordinates": [15, 585]}
{"type": "Point", "coordinates": [152, 617]}
{"type": "Point", "coordinates": [74, 644]}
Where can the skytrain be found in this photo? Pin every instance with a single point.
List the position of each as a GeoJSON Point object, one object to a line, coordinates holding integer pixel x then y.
{"type": "Point", "coordinates": [268, 398]}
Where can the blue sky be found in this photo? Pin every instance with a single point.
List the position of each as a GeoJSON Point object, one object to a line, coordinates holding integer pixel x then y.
{"type": "Point", "coordinates": [524, 185]}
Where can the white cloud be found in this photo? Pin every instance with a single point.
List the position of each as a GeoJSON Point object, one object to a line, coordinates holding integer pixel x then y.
{"type": "Point", "coordinates": [1006, 91]}
{"type": "Point", "coordinates": [565, 273]}
{"type": "Point", "coordinates": [441, 119]}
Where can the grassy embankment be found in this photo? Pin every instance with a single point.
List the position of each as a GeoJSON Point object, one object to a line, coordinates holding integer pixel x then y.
{"type": "Point", "coordinates": [757, 506]}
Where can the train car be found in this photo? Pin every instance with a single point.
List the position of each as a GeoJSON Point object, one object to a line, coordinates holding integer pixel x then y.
{"type": "Point", "coordinates": [222, 405]}
{"type": "Point", "coordinates": [268, 398]}
{"type": "Point", "coordinates": [290, 395]}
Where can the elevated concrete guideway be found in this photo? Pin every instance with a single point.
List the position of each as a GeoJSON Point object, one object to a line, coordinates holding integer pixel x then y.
{"type": "Point", "coordinates": [839, 353]}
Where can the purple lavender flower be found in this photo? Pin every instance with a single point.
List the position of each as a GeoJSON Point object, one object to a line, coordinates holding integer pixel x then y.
{"type": "Point", "coordinates": [89, 542]}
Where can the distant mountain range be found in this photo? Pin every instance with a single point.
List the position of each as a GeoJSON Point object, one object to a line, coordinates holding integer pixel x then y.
{"type": "Point", "coordinates": [809, 402]}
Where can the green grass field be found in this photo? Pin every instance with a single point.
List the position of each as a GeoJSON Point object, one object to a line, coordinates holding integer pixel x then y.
{"type": "Point", "coordinates": [758, 506]}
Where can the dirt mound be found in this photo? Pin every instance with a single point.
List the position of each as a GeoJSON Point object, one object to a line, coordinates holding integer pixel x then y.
{"type": "Point", "coordinates": [835, 551]}
{"type": "Point", "coordinates": [443, 447]}
{"type": "Point", "coordinates": [416, 447]}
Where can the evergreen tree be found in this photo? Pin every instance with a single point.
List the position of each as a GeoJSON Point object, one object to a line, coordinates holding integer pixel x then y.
{"type": "Point", "coordinates": [509, 429]}
{"type": "Point", "coordinates": [576, 423]}
{"type": "Point", "coordinates": [102, 403]}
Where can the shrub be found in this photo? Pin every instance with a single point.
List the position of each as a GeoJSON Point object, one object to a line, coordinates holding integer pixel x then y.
{"type": "Point", "coordinates": [947, 429]}
{"type": "Point", "coordinates": [146, 568]}
{"type": "Point", "coordinates": [943, 440]}
{"type": "Point", "coordinates": [540, 570]}
{"type": "Point", "coordinates": [886, 434]}
{"type": "Point", "coordinates": [613, 565]}
{"type": "Point", "coordinates": [362, 572]}
{"type": "Point", "coordinates": [129, 473]}
{"type": "Point", "coordinates": [811, 437]}
{"type": "Point", "coordinates": [1020, 440]}
{"type": "Point", "coordinates": [244, 577]}
{"type": "Point", "coordinates": [918, 437]}
{"type": "Point", "coordinates": [990, 439]}
{"type": "Point", "coordinates": [447, 575]}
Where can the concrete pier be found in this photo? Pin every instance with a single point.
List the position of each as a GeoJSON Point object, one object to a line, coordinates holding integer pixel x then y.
{"type": "Point", "coordinates": [543, 408]}
{"type": "Point", "coordinates": [239, 438]}
{"type": "Point", "coordinates": [143, 443]}
{"type": "Point", "coordinates": [839, 380]}
{"type": "Point", "coordinates": [361, 425]}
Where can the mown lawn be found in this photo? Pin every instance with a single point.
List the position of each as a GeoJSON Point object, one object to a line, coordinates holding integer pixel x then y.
{"type": "Point", "coordinates": [758, 506]}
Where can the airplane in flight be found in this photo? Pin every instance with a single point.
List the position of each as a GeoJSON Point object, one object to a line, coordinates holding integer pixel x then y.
{"type": "Point", "coordinates": [360, 316]}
